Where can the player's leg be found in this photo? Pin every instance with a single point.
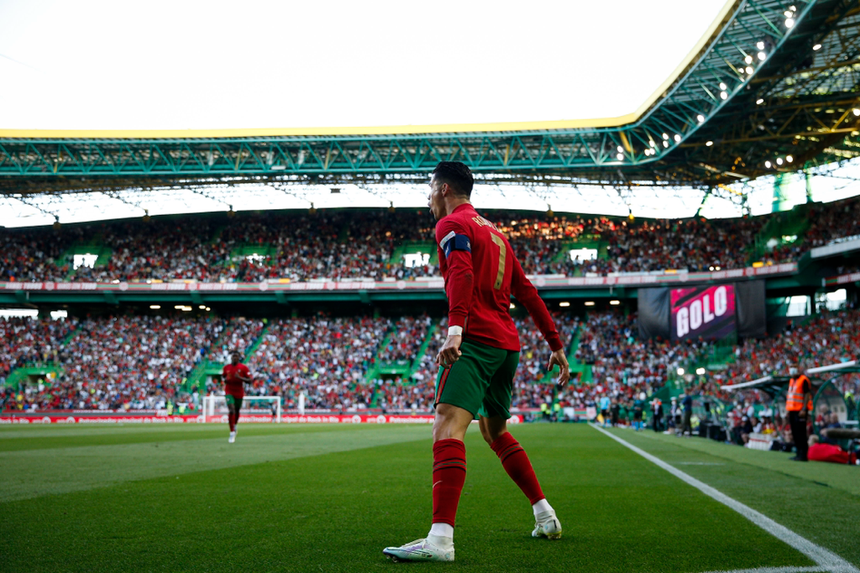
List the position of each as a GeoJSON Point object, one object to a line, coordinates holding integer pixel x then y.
{"type": "Point", "coordinates": [495, 412]}
{"type": "Point", "coordinates": [449, 475]}
{"type": "Point", "coordinates": [231, 408]}
{"type": "Point", "coordinates": [459, 391]}
{"type": "Point", "coordinates": [237, 409]}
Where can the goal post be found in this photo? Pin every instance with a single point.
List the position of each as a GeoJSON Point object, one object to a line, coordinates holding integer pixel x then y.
{"type": "Point", "coordinates": [254, 408]}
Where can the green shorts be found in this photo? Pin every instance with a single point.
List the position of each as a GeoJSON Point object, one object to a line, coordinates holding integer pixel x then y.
{"type": "Point", "coordinates": [232, 400]}
{"type": "Point", "coordinates": [481, 381]}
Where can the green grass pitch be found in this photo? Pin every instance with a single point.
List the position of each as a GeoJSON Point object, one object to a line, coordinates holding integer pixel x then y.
{"type": "Point", "coordinates": [329, 498]}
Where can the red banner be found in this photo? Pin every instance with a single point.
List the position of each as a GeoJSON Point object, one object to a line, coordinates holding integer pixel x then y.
{"type": "Point", "coordinates": [7, 419]}
{"type": "Point", "coordinates": [842, 279]}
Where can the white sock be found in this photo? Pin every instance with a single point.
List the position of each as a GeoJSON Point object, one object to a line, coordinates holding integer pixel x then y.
{"type": "Point", "coordinates": [542, 506]}
{"type": "Point", "coordinates": [441, 534]}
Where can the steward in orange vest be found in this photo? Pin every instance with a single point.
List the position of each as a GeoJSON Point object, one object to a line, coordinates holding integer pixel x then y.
{"type": "Point", "coordinates": [798, 389]}
{"type": "Point", "coordinates": [798, 402]}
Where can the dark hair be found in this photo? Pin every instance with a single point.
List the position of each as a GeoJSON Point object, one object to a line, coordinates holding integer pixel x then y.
{"type": "Point", "coordinates": [456, 175]}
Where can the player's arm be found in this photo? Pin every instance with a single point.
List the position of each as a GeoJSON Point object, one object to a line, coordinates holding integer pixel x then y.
{"type": "Point", "coordinates": [807, 398]}
{"type": "Point", "coordinates": [456, 247]}
{"type": "Point", "coordinates": [244, 375]}
{"type": "Point", "coordinates": [527, 295]}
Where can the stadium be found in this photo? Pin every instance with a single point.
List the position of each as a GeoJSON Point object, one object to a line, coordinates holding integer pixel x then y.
{"type": "Point", "coordinates": [192, 189]}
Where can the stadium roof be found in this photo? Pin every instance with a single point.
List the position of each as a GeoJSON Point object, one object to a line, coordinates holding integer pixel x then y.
{"type": "Point", "coordinates": [770, 90]}
{"type": "Point", "coordinates": [331, 68]}
{"type": "Point", "coordinates": [827, 183]}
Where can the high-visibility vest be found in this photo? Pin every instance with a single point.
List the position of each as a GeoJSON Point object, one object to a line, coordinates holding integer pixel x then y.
{"type": "Point", "coordinates": [794, 399]}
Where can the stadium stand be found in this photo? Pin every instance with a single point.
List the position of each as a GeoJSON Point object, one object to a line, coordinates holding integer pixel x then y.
{"type": "Point", "coordinates": [123, 362]}
{"type": "Point", "coordinates": [26, 341]}
{"type": "Point", "coordinates": [140, 362]}
{"type": "Point", "coordinates": [323, 357]}
{"type": "Point", "coordinates": [826, 339]}
{"type": "Point", "coordinates": [349, 245]}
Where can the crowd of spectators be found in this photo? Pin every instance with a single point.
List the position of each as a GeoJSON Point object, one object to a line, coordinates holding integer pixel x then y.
{"type": "Point", "coordinates": [825, 339]}
{"type": "Point", "coordinates": [36, 254]}
{"type": "Point", "coordinates": [139, 362]}
{"type": "Point", "coordinates": [344, 245]}
{"type": "Point", "coordinates": [623, 363]}
{"type": "Point", "coordinates": [426, 369]}
{"type": "Point", "coordinates": [170, 249]}
{"type": "Point", "coordinates": [406, 339]}
{"type": "Point", "coordinates": [123, 362]}
{"type": "Point", "coordinates": [239, 336]}
{"type": "Point", "coordinates": [832, 221]}
{"type": "Point", "coordinates": [322, 357]}
{"type": "Point", "coordinates": [31, 342]}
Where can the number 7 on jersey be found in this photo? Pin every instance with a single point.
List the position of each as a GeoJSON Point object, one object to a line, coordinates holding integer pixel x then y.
{"type": "Point", "coordinates": [500, 275]}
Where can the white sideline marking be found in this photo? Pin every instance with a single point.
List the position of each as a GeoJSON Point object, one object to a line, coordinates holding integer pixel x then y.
{"type": "Point", "coordinates": [813, 569]}
{"type": "Point", "coordinates": [827, 560]}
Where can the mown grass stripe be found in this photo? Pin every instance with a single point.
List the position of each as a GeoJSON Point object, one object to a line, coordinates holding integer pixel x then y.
{"type": "Point", "coordinates": [826, 559]}
{"type": "Point", "coordinates": [34, 473]}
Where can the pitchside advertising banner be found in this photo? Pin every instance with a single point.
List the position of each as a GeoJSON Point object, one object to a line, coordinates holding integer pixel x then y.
{"type": "Point", "coordinates": [706, 312]}
{"type": "Point", "coordinates": [284, 285]}
{"type": "Point", "coordinates": [222, 419]}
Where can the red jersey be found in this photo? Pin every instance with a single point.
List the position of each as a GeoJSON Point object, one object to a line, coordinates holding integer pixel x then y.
{"type": "Point", "coordinates": [481, 273]}
{"type": "Point", "coordinates": [230, 376]}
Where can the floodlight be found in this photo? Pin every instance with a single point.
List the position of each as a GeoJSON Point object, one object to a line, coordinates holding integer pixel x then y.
{"type": "Point", "coordinates": [789, 22]}
{"type": "Point", "coordinates": [677, 138]}
{"type": "Point", "coordinates": [856, 111]}
{"type": "Point", "coordinates": [701, 118]}
{"type": "Point", "coordinates": [767, 164]}
{"type": "Point", "coordinates": [749, 70]}
{"type": "Point", "coordinates": [620, 149]}
{"type": "Point", "coordinates": [709, 143]}
{"type": "Point", "coordinates": [724, 95]}
{"type": "Point", "coordinates": [788, 14]}
{"type": "Point", "coordinates": [762, 56]}
{"type": "Point", "coordinates": [723, 86]}
{"type": "Point", "coordinates": [614, 302]}
{"type": "Point", "coordinates": [665, 136]}
{"type": "Point", "coordinates": [155, 306]}
{"type": "Point", "coordinates": [779, 160]}
{"type": "Point", "coordinates": [202, 307]}
{"type": "Point", "coordinates": [748, 60]}
{"type": "Point", "coordinates": [759, 101]}
{"type": "Point", "coordinates": [589, 303]}
{"type": "Point", "coordinates": [816, 47]}
{"type": "Point", "coordinates": [564, 304]}
{"type": "Point", "coordinates": [665, 144]}
{"type": "Point", "coordinates": [619, 157]}
{"type": "Point", "coordinates": [789, 158]}
{"type": "Point", "coordinates": [760, 45]}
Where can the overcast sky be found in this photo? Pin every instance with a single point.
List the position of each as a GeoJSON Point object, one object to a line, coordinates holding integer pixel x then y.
{"type": "Point", "coordinates": [99, 64]}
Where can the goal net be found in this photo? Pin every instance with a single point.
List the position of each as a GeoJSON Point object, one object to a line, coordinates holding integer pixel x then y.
{"type": "Point", "coordinates": [254, 409]}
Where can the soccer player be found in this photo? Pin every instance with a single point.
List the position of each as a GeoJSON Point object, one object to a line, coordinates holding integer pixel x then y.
{"type": "Point", "coordinates": [235, 375]}
{"type": "Point", "coordinates": [478, 359]}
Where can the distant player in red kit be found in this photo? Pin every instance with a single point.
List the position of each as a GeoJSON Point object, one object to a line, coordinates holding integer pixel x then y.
{"type": "Point", "coordinates": [235, 375]}
{"type": "Point", "coordinates": [478, 360]}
